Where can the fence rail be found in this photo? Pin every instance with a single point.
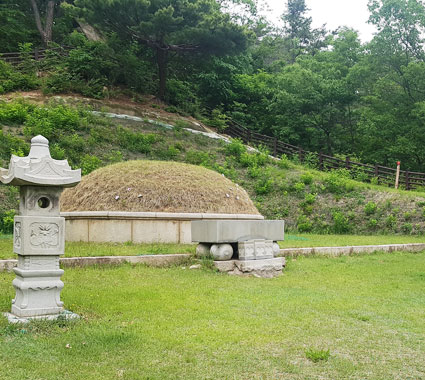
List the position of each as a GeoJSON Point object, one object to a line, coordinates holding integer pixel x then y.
{"type": "Point", "coordinates": [383, 175]}
{"type": "Point", "coordinates": [16, 58]}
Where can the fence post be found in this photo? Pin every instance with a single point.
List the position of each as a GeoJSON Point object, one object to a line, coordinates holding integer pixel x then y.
{"type": "Point", "coordinates": [275, 147]}
{"type": "Point", "coordinates": [249, 136]}
{"type": "Point", "coordinates": [397, 175]}
{"type": "Point", "coordinates": [36, 55]}
{"type": "Point", "coordinates": [321, 161]}
{"type": "Point", "coordinates": [377, 172]}
{"type": "Point", "coordinates": [347, 163]}
{"type": "Point", "coordinates": [300, 154]}
{"type": "Point", "coordinates": [407, 180]}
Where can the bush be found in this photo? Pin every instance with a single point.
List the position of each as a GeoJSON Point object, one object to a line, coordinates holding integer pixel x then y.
{"type": "Point", "coordinates": [14, 112]}
{"type": "Point", "coordinates": [304, 224]}
{"type": "Point", "coordinates": [338, 182]}
{"type": "Point", "coordinates": [407, 228]}
{"type": "Point", "coordinates": [370, 208]}
{"type": "Point", "coordinates": [264, 186]}
{"type": "Point", "coordinates": [307, 178]}
{"type": "Point", "coordinates": [89, 163]}
{"type": "Point", "coordinates": [195, 157]}
{"type": "Point", "coordinates": [7, 221]}
{"type": "Point", "coordinates": [391, 221]}
{"type": "Point", "coordinates": [341, 224]}
{"type": "Point", "coordinates": [235, 148]}
{"type": "Point", "coordinates": [13, 80]}
{"type": "Point", "coordinates": [135, 141]}
{"type": "Point", "coordinates": [283, 163]}
{"type": "Point", "coordinates": [372, 223]}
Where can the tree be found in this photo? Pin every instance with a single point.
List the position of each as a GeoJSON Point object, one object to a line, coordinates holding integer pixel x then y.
{"type": "Point", "coordinates": [44, 27]}
{"type": "Point", "coordinates": [297, 28]}
{"type": "Point", "coordinates": [174, 27]}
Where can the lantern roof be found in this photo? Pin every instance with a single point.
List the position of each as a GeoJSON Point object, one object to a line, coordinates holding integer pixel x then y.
{"type": "Point", "coordinates": [39, 168]}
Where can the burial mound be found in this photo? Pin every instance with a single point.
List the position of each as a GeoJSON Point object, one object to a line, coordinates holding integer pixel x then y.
{"type": "Point", "coordinates": [157, 186]}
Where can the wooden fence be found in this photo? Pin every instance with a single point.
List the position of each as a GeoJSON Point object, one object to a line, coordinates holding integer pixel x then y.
{"type": "Point", "coordinates": [38, 54]}
{"type": "Point", "coordinates": [383, 175]}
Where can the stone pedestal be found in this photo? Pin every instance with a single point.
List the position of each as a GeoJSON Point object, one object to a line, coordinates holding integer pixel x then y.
{"type": "Point", "coordinates": [39, 232]}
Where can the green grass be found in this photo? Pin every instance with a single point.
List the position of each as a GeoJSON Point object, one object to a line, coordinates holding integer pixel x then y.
{"type": "Point", "coordinates": [313, 240]}
{"type": "Point", "coordinates": [81, 249]}
{"type": "Point", "coordinates": [147, 323]}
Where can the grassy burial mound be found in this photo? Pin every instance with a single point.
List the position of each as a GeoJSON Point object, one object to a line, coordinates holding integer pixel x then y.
{"type": "Point", "coordinates": [157, 186]}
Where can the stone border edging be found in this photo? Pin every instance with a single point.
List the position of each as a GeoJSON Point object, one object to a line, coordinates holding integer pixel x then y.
{"type": "Point", "coordinates": [350, 250]}
{"type": "Point", "coordinates": [150, 260]}
{"type": "Point", "coordinates": [156, 215]}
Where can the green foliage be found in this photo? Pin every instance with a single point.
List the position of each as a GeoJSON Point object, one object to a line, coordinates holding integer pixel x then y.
{"type": "Point", "coordinates": [370, 208]}
{"type": "Point", "coordinates": [235, 148]}
{"type": "Point", "coordinates": [407, 228]}
{"type": "Point", "coordinates": [13, 80]}
{"type": "Point", "coordinates": [341, 224]}
{"type": "Point", "coordinates": [372, 223]}
{"type": "Point", "coordinates": [89, 163]}
{"type": "Point", "coordinates": [338, 182]}
{"type": "Point", "coordinates": [316, 355]}
{"type": "Point", "coordinates": [304, 224]}
{"type": "Point", "coordinates": [307, 178]}
{"type": "Point", "coordinates": [195, 157]}
{"type": "Point", "coordinates": [135, 141]}
{"type": "Point", "coordinates": [264, 185]}
{"type": "Point", "coordinates": [283, 163]}
{"type": "Point", "coordinates": [6, 221]}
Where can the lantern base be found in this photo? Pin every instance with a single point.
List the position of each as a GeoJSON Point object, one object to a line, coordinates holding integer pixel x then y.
{"type": "Point", "coordinates": [64, 315]}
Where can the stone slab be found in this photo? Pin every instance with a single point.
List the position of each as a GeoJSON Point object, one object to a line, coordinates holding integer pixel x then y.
{"type": "Point", "coordinates": [233, 231]}
{"type": "Point", "coordinates": [68, 315]}
{"type": "Point", "coordinates": [351, 250]}
{"type": "Point", "coordinates": [267, 268]}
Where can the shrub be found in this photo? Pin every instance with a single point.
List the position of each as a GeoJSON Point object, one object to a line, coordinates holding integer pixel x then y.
{"type": "Point", "coordinates": [306, 178]}
{"type": "Point", "coordinates": [7, 221]}
{"type": "Point", "coordinates": [370, 208]}
{"type": "Point", "coordinates": [341, 224]}
{"type": "Point", "coordinates": [254, 172]}
{"type": "Point", "coordinates": [338, 182]}
{"type": "Point", "coordinates": [299, 188]}
{"type": "Point", "coordinates": [135, 141]}
{"type": "Point", "coordinates": [14, 112]}
{"type": "Point", "coordinates": [310, 198]}
{"type": "Point", "coordinates": [304, 224]}
{"type": "Point", "coordinates": [283, 163]}
{"type": "Point", "coordinates": [89, 163]}
{"type": "Point", "coordinates": [264, 186]}
{"type": "Point", "coordinates": [372, 223]}
{"type": "Point", "coordinates": [195, 157]}
{"type": "Point", "coordinates": [217, 120]}
{"type": "Point", "coordinates": [391, 221]}
{"type": "Point", "coordinates": [13, 80]}
{"type": "Point", "coordinates": [235, 148]}
{"type": "Point", "coordinates": [407, 228]}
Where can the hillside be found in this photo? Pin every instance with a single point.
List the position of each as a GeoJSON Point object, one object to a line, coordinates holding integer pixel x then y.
{"type": "Point", "coordinates": [309, 200]}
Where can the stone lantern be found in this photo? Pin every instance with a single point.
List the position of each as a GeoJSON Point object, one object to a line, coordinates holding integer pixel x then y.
{"type": "Point", "coordinates": [39, 231]}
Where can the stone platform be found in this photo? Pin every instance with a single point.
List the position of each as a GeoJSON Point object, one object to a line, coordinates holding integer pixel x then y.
{"type": "Point", "coordinates": [267, 268]}
{"type": "Point", "coordinates": [64, 315]}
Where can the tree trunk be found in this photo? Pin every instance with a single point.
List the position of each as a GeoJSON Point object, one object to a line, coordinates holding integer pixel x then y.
{"type": "Point", "coordinates": [48, 29]}
{"type": "Point", "coordinates": [46, 32]}
{"type": "Point", "coordinates": [161, 59]}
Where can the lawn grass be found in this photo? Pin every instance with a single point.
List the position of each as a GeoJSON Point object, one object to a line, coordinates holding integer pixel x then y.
{"type": "Point", "coordinates": [313, 240]}
{"type": "Point", "coordinates": [81, 249]}
{"type": "Point", "coordinates": [360, 317]}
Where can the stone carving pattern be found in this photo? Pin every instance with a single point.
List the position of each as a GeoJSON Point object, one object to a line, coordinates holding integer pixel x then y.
{"type": "Point", "coordinates": [44, 235]}
{"type": "Point", "coordinates": [18, 239]}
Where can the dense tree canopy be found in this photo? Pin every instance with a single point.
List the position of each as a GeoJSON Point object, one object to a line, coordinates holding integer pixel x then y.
{"type": "Point", "coordinates": [322, 90]}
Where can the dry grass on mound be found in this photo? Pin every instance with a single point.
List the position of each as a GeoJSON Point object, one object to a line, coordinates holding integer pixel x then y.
{"type": "Point", "coordinates": [157, 186]}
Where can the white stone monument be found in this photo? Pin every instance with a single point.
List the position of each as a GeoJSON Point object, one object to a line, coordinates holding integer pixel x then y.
{"type": "Point", "coordinates": [39, 232]}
